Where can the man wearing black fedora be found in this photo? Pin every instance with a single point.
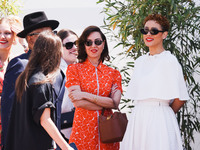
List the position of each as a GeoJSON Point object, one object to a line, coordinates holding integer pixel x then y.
{"type": "Point", "coordinates": [34, 24]}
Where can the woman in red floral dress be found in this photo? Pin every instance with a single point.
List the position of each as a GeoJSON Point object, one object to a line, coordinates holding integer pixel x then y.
{"type": "Point", "coordinates": [92, 86]}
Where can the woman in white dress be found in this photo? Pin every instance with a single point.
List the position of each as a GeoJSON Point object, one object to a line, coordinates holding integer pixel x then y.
{"type": "Point", "coordinates": [158, 89]}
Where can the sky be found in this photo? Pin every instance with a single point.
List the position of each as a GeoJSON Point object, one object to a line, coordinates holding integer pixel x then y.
{"type": "Point", "coordinates": [72, 14]}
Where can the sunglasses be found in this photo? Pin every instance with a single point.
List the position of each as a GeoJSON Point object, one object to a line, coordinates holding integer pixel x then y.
{"type": "Point", "coordinates": [96, 42]}
{"type": "Point", "coordinates": [69, 45]}
{"type": "Point", "coordinates": [153, 31]}
{"type": "Point", "coordinates": [32, 34]}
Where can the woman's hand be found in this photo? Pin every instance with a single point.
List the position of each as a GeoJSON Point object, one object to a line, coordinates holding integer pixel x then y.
{"type": "Point", "coordinates": [75, 95]}
{"type": "Point", "coordinates": [177, 104]}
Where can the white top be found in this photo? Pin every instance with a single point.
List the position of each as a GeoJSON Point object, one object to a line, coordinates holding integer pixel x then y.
{"type": "Point", "coordinates": [67, 105]}
{"type": "Point", "coordinates": [159, 76]}
{"type": "Point", "coordinates": [63, 65]}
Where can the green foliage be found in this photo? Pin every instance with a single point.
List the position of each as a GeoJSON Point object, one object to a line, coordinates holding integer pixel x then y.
{"type": "Point", "coordinates": [125, 18]}
{"type": "Point", "coordinates": [9, 7]}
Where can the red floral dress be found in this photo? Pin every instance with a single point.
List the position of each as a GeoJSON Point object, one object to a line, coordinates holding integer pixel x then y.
{"type": "Point", "coordinates": [95, 80]}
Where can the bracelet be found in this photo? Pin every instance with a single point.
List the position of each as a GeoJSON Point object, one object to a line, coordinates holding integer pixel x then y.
{"type": "Point", "coordinates": [95, 99]}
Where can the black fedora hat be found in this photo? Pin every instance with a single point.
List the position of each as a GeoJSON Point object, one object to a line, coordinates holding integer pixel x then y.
{"type": "Point", "coordinates": [35, 21]}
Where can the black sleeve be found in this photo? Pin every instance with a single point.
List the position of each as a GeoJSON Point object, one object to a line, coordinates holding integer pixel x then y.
{"type": "Point", "coordinates": [42, 98]}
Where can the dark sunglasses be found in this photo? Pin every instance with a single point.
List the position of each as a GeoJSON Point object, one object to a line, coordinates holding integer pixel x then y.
{"type": "Point", "coordinates": [96, 42]}
{"type": "Point", "coordinates": [32, 34]}
{"type": "Point", "coordinates": [69, 45]}
{"type": "Point", "coordinates": [153, 31]}
{"type": "Point", "coordinates": [55, 32]}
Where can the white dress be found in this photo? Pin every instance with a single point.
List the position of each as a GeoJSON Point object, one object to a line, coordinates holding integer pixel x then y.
{"type": "Point", "coordinates": [155, 82]}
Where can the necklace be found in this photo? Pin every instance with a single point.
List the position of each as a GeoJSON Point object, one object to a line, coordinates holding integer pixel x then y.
{"type": "Point", "coordinates": [3, 65]}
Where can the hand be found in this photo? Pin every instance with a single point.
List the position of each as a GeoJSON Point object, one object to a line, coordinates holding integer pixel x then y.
{"type": "Point", "coordinates": [75, 95]}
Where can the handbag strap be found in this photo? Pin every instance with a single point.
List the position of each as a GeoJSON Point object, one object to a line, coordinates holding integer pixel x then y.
{"type": "Point", "coordinates": [103, 110]}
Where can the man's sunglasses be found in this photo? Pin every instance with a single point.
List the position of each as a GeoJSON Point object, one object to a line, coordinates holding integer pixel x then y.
{"type": "Point", "coordinates": [153, 31]}
{"type": "Point", "coordinates": [69, 45]}
{"type": "Point", "coordinates": [32, 34]}
{"type": "Point", "coordinates": [96, 42]}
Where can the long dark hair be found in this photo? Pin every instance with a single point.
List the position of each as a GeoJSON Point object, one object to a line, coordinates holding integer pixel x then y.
{"type": "Point", "coordinates": [82, 55]}
{"type": "Point", "coordinates": [46, 57]}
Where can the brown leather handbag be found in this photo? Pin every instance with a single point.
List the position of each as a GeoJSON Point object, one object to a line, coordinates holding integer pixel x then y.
{"type": "Point", "coordinates": [112, 128]}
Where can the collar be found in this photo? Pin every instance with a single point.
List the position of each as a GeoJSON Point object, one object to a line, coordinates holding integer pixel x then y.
{"type": "Point", "coordinates": [63, 65]}
{"type": "Point", "coordinates": [100, 67]}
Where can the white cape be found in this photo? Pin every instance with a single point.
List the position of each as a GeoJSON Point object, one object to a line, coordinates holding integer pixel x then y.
{"type": "Point", "coordinates": [158, 76]}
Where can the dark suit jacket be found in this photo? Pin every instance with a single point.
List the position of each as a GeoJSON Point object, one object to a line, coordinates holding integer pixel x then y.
{"type": "Point", "coordinates": [14, 68]}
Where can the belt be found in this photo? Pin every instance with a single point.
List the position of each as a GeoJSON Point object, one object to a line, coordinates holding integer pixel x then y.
{"type": "Point", "coordinates": [152, 102]}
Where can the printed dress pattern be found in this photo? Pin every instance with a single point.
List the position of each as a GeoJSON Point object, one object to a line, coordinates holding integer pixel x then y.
{"type": "Point", "coordinates": [85, 127]}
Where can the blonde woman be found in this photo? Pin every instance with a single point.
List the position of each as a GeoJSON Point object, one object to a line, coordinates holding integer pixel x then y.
{"type": "Point", "coordinates": [9, 45]}
{"type": "Point", "coordinates": [9, 27]}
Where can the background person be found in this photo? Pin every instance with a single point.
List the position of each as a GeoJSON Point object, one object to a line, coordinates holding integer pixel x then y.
{"type": "Point", "coordinates": [32, 122]}
{"type": "Point", "coordinates": [8, 43]}
{"type": "Point", "coordinates": [20, 45]}
{"type": "Point", "coordinates": [8, 40]}
{"type": "Point", "coordinates": [92, 86]}
{"type": "Point", "coordinates": [34, 23]}
{"type": "Point", "coordinates": [158, 88]}
{"type": "Point", "coordinates": [69, 56]}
